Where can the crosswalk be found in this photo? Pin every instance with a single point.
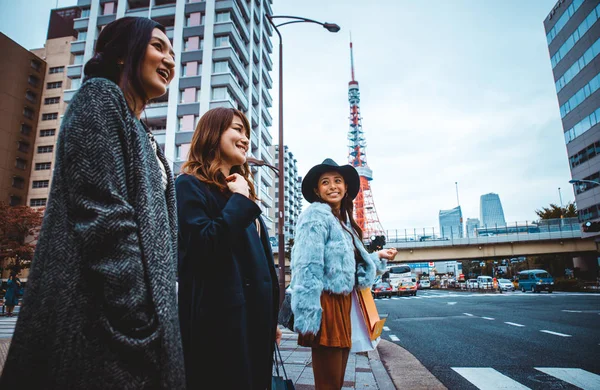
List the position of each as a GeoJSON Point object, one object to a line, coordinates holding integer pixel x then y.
{"type": "Point", "coordinates": [7, 326]}
{"type": "Point", "coordinates": [487, 378]}
{"type": "Point", "coordinates": [452, 295]}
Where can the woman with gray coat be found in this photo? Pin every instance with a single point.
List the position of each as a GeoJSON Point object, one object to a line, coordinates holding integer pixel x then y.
{"type": "Point", "coordinates": [100, 310]}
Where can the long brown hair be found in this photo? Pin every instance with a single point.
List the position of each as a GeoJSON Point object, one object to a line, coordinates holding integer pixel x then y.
{"type": "Point", "coordinates": [204, 158]}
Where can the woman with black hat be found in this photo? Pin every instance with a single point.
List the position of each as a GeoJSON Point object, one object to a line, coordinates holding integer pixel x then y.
{"type": "Point", "coordinates": [328, 261]}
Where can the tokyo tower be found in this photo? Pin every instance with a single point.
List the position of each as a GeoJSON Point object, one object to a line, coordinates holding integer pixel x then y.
{"type": "Point", "coordinates": [365, 213]}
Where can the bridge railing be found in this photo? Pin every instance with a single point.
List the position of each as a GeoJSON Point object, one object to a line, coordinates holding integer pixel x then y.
{"type": "Point", "coordinates": [455, 235]}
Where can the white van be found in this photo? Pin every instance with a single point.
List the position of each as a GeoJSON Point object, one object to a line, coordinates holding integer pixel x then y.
{"type": "Point", "coordinates": [485, 282]}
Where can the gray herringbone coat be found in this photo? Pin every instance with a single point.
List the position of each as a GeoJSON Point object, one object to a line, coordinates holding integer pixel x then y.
{"type": "Point", "coordinates": [100, 307]}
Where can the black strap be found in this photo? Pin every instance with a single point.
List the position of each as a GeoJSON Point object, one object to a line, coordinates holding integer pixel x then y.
{"type": "Point", "coordinates": [278, 353]}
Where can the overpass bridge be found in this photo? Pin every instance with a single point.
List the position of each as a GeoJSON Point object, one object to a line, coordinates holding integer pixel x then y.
{"type": "Point", "coordinates": [554, 239]}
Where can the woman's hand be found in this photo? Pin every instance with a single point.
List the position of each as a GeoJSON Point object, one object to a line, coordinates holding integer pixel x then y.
{"type": "Point", "coordinates": [278, 334]}
{"type": "Point", "coordinates": [389, 253]}
{"type": "Point", "coordinates": [237, 184]}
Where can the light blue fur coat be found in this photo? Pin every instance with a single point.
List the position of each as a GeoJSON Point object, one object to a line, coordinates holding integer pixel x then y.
{"type": "Point", "coordinates": [323, 260]}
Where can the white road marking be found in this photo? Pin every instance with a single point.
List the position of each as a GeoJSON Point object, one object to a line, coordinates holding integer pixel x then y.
{"type": "Point", "coordinates": [452, 303]}
{"type": "Point", "coordinates": [556, 333]}
{"type": "Point", "coordinates": [394, 338]}
{"type": "Point", "coordinates": [386, 328]}
{"type": "Point", "coordinates": [488, 318]}
{"type": "Point", "coordinates": [575, 376]}
{"type": "Point", "coordinates": [513, 324]}
{"type": "Point", "coordinates": [485, 378]}
{"type": "Point", "coordinates": [572, 311]}
{"type": "Point", "coordinates": [468, 314]}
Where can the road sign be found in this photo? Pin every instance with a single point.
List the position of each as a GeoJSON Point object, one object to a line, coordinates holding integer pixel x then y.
{"type": "Point", "coordinates": [431, 264]}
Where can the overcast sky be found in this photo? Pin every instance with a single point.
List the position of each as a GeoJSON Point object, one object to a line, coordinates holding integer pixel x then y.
{"type": "Point", "coordinates": [451, 91]}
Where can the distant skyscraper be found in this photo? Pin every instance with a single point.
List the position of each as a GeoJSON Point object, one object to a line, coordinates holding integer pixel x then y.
{"type": "Point", "coordinates": [472, 224]}
{"type": "Point", "coordinates": [491, 213]}
{"type": "Point", "coordinates": [451, 223]}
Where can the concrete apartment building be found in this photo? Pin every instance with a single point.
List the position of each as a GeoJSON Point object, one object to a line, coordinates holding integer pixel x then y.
{"type": "Point", "coordinates": [22, 80]}
{"type": "Point", "coordinates": [573, 36]}
{"type": "Point", "coordinates": [292, 194]}
{"type": "Point", "coordinates": [57, 54]}
{"type": "Point", "coordinates": [223, 51]}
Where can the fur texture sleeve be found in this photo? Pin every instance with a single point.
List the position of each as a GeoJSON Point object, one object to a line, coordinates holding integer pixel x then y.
{"type": "Point", "coordinates": [307, 272]}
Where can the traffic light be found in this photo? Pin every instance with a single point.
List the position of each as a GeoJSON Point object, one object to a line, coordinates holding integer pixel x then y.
{"type": "Point", "coordinates": [590, 227]}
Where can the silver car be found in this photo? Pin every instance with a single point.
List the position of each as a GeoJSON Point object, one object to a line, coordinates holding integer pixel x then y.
{"type": "Point", "coordinates": [506, 285]}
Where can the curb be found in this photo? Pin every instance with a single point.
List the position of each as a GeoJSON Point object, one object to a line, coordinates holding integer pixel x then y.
{"type": "Point", "coordinates": [405, 370]}
{"type": "Point", "coordinates": [384, 382]}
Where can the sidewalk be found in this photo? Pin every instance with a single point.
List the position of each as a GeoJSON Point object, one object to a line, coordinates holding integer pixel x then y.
{"type": "Point", "coordinates": [364, 371]}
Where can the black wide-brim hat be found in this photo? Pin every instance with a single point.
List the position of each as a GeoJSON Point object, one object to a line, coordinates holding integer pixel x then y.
{"type": "Point", "coordinates": [348, 172]}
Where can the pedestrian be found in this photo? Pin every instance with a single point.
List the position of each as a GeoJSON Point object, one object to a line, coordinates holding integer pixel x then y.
{"type": "Point", "coordinates": [100, 308]}
{"type": "Point", "coordinates": [11, 297]}
{"type": "Point", "coordinates": [228, 290]}
{"type": "Point", "coordinates": [328, 261]}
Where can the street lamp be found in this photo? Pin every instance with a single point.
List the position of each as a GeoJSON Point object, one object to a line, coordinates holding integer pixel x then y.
{"type": "Point", "coordinates": [331, 27]}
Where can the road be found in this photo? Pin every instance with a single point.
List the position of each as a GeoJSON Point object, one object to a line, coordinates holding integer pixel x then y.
{"type": "Point", "coordinates": [487, 341]}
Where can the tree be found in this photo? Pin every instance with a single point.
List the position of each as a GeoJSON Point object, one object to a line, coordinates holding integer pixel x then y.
{"type": "Point", "coordinates": [554, 211]}
{"type": "Point", "coordinates": [18, 234]}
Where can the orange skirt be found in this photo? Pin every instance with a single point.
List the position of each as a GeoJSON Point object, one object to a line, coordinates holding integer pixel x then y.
{"type": "Point", "coordinates": [335, 328]}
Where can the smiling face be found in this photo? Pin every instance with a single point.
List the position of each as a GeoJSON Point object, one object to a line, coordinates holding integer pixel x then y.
{"type": "Point", "coordinates": [158, 65]}
{"type": "Point", "coordinates": [331, 188]}
{"type": "Point", "coordinates": [234, 144]}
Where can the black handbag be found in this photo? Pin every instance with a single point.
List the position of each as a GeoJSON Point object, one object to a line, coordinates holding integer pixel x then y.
{"type": "Point", "coordinates": [280, 382]}
{"type": "Point", "coordinates": [286, 316]}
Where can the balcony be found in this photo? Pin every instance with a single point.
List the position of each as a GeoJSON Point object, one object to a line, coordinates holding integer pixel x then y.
{"type": "Point", "coordinates": [227, 53]}
{"type": "Point", "coordinates": [170, 31]}
{"type": "Point", "coordinates": [244, 9]}
{"type": "Point", "coordinates": [268, 44]}
{"type": "Point", "coordinates": [236, 15]}
{"type": "Point", "coordinates": [163, 10]}
{"type": "Point", "coordinates": [268, 120]}
{"type": "Point", "coordinates": [77, 47]}
{"type": "Point", "coordinates": [267, 78]}
{"type": "Point", "coordinates": [266, 135]}
{"type": "Point", "coordinates": [81, 24]}
{"type": "Point", "coordinates": [74, 71]}
{"type": "Point", "coordinates": [267, 97]}
{"type": "Point", "coordinates": [255, 97]}
{"type": "Point", "coordinates": [156, 110]}
{"type": "Point", "coordinates": [267, 60]}
{"type": "Point", "coordinates": [227, 80]}
{"type": "Point", "coordinates": [230, 29]}
{"type": "Point", "coordinates": [266, 155]}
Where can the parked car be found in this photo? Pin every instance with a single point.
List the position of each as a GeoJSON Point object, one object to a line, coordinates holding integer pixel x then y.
{"type": "Point", "coordinates": [485, 282]}
{"type": "Point", "coordinates": [505, 285]}
{"type": "Point", "coordinates": [407, 287]}
{"type": "Point", "coordinates": [382, 289]}
{"type": "Point", "coordinates": [536, 280]}
{"type": "Point", "coordinates": [425, 283]}
{"type": "Point", "coordinates": [472, 283]}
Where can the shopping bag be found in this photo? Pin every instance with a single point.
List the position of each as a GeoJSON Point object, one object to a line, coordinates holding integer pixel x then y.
{"type": "Point", "coordinates": [361, 338]}
{"type": "Point", "coordinates": [367, 304]}
{"type": "Point", "coordinates": [279, 382]}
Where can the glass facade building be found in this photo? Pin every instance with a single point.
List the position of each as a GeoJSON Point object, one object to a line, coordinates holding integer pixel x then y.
{"type": "Point", "coordinates": [472, 224]}
{"type": "Point", "coordinates": [573, 36]}
{"type": "Point", "coordinates": [451, 223]}
{"type": "Point", "coordinates": [491, 212]}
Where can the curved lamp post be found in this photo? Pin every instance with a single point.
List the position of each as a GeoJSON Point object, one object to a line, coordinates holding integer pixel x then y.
{"type": "Point", "coordinates": [331, 27]}
{"type": "Point", "coordinates": [582, 181]}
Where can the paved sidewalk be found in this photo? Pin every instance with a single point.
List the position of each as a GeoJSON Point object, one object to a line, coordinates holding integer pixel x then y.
{"type": "Point", "coordinates": [364, 371]}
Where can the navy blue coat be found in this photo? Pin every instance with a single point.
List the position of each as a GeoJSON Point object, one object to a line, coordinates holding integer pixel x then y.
{"type": "Point", "coordinates": [228, 290]}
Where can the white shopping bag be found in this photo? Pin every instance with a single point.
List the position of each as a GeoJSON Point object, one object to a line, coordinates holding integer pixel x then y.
{"type": "Point", "coordinates": [361, 342]}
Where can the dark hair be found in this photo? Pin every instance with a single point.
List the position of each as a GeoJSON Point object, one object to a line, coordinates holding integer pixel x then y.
{"type": "Point", "coordinates": [119, 53]}
{"type": "Point", "coordinates": [204, 158]}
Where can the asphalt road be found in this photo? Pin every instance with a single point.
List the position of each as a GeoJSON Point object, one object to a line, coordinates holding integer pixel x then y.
{"type": "Point", "coordinates": [517, 340]}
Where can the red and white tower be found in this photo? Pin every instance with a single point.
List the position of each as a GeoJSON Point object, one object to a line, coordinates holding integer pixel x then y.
{"type": "Point", "coordinates": [365, 213]}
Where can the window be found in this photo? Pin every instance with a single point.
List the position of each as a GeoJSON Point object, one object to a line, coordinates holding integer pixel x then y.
{"type": "Point", "coordinates": [35, 64]}
{"type": "Point", "coordinates": [182, 152]}
{"type": "Point", "coordinates": [221, 67]}
{"type": "Point", "coordinates": [15, 200]}
{"type": "Point", "coordinates": [85, 13]}
{"type": "Point", "coordinates": [45, 166]}
{"type": "Point", "coordinates": [52, 100]}
{"type": "Point", "coordinates": [54, 85]}
{"type": "Point", "coordinates": [50, 117]}
{"type": "Point", "coordinates": [195, 19]}
{"type": "Point", "coordinates": [18, 182]}
{"type": "Point", "coordinates": [33, 81]}
{"type": "Point", "coordinates": [219, 93]}
{"type": "Point", "coordinates": [222, 41]}
{"type": "Point", "coordinates": [25, 129]}
{"type": "Point", "coordinates": [30, 96]}
{"type": "Point", "coordinates": [21, 163]}
{"type": "Point", "coordinates": [37, 202]}
{"type": "Point", "coordinates": [22, 146]}
{"type": "Point", "coordinates": [223, 17]}
{"type": "Point", "coordinates": [78, 60]}
{"type": "Point", "coordinates": [40, 184]}
{"type": "Point", "coordinates": [45, 149]}
{"type": "Point", "coordinates": [193, 43]}
{"type": "Point", "coordinates": [75, 83]}
{"type": "Point", "coordinates": [57, 69]}
{"type": "Point", "coordinates": [47, 133]}
{"type": "Point", "coordinates": [27, 112]}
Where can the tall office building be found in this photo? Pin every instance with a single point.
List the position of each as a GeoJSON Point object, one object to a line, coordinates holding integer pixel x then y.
{"type": "Point", "coordinates": [22, 79]}
{"type": "Point", "coordinates": [57, 54]}
{"type": "Point", "coordinates": [451, 223]}
{"type": "Point", "coordinates": [292, 196]}
{"type": "Point", "coordinates": [472, 224]}
{"type": "Point", "coordinates": [222, 50]}
{"type": "Point", "coordinates": [573, 35]}
{"type": "Point", "coordinates": [490, 211]}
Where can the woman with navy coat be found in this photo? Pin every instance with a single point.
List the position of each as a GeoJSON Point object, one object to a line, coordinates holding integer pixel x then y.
{"type": "Point", "coordinates": [228, 290]}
